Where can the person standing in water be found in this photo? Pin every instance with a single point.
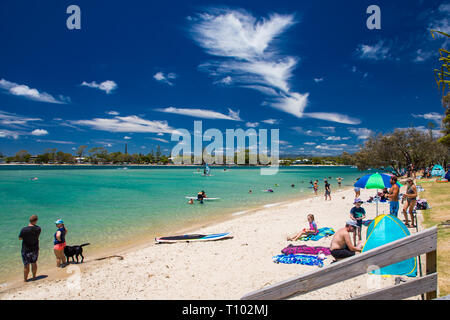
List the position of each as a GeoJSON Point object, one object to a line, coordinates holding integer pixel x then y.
{"type": "Point", "coordinates": [316, 186]}
{"type": "Point", "coordinates": [327, 190]}
{"type": "Point", "coordinates": [60, 243]}
{"type": "Point", "coordinates": [29, 236]}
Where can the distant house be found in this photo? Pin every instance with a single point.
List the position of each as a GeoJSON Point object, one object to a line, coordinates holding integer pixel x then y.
{"type": "Point", "coordinates": [302, 161]}
{"type": "Point", "coordinates": [80, 159]}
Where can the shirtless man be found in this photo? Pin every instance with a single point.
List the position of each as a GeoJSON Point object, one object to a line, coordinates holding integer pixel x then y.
{"type": "Point", "coordinates": [341, 246]}
{"type": "Point", "coordinates": [393, 196]}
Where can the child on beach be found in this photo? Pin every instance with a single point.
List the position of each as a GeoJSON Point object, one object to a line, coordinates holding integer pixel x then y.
{"type": "Point", "coordinates": [60, 243]}
{"type": "Point", "coordinates": [312, 229]}
{"type": "Point", "coordinates": [357, 214]}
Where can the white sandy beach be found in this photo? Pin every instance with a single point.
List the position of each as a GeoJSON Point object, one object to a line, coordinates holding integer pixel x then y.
{"type": "Point", "coordinates": [225, 269]}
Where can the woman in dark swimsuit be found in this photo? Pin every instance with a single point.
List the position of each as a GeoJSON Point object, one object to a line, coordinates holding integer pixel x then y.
{"type": "Point", "coordinates": [410, 196]}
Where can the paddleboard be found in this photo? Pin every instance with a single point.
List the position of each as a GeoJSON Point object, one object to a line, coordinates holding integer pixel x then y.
{"type": "Point", "coordinates": [193, 237]}
{"type": "Point", "coordinates": [204, 199]}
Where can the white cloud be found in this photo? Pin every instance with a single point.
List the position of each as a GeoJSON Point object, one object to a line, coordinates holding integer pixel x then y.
{"type": "Point", "coordinates": [433, 116]}
{"type": "Point", "coordinates": [160, 139]}
{"type": "Point", "coordinates": [317, 80]}
{"type": "Point", "coordinates": [333, 117]}
{"type": "Point", "coordinates": [112, 113]}
{"type": "Point", "coordinates": [39, 132]}
{"type": "Point", "coordinates": [126, 124]}
{"type": "Point", "coordinates": [361, 133]}
{"type": "Point", "coordinates": [252, 124]}
{"type": "Point", "coordinates": [14, 120]}
{"type": "Point", "coordinates": [294, 104]}
{"type": "Point", "coordinates": [333, 138]}
{"type": "Point", "coordinates": [56, 141]}
{"type": "Point", "coordinates": [9, 134]}
{"type": "Point", "coordinates": [165, 78]}
{"type": "Point", "coordinates": [310, 143]}
{"type": "Point", "coordinates": [232, 33]}
{"type": "Point", "coordinates": [202, 113]}
{"type": "Point", "coordinates": [108, 86]}
{"type": "Point", "coordinates": [329, 147]}
{"type": "Point", "coordinates": [376, 52]}
{"type": "Point", "coordinates": [422, 55]}
{"type": "Point", "coordinates": [30, 93]}
{"type": "Point", "coordinates": [328, 129]}
{"type": "Point", "coordinates": [271, 121]}
{"type": "Point", "coordinates": [250, 56]}
{"type": "Point", "coordinates": [127, 138]}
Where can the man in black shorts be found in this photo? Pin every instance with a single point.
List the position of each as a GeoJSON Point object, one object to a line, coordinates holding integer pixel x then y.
{"type": "Point", "coordinates": [30, 246]}
{"type": "Point", "coordinates": [341, 246]}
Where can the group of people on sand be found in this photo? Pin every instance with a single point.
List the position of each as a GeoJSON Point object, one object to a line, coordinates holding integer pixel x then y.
{"type": "Point", "coordinates": [29, 236]}
{"type": "Point", "coordinates": [342, 245]}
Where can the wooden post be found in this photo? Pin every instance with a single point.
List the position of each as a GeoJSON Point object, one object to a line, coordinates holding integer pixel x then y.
{"type": "Point", "coordinates": [431, 259]}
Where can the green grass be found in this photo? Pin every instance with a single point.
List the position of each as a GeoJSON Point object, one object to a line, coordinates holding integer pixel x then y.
{"type": "Point", "coordinates": [438, 196]}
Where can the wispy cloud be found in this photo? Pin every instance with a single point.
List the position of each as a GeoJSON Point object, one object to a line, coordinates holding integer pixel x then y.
{"type": "Point", "coordinates": [9, 134]}
{"type": "Point", "coordinates": [160, 140]}
{"type": "Point", "coordinates": [31, 93]}
{"type": "Point", "coordinates": [250, 56]}
{"type": "Point", "coordinates": [14, 120]}
{"type": "Point", "coordinates": [165, 78]}
{"type": "Point", "coordinates": [308, 132]}
{"type": "Point", "coordinates": [333, 117]}
{"type": "Point", "coordinates": [202, 113]}
{"type": "Point", "coordinates": [317, 80]}
{"type": "Point", "coordinates": [108, 86]}
{"type": "Point", "coordinates": [378, 51]}
{"type": "Point", "coordinates": [126, 124]}
{"type": "Point", "coordinates": [433, 116]}
{"type": "Point", "coordinates": [56, 141]}
{"type": "Point", "coordinates": [113, 113]}
{"type": "Point", "coordinates": [361, 133]}
{"type": "Point", "coordinates": [271, 121]}
{"type": "Point", "coordinates": [252, 124]}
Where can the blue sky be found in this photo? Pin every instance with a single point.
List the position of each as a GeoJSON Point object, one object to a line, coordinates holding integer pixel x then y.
{"type": "Point", "coordinates": [139, 69]}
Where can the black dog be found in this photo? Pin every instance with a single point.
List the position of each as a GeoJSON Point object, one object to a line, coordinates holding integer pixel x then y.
{"type": "Point", "coordinates": [71, 251]}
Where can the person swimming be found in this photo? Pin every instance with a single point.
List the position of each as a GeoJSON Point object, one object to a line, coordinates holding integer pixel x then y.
{"type": "Point", "coordinates": [268, 190]}
{"type": "Point", "coordinates": [191, 201]}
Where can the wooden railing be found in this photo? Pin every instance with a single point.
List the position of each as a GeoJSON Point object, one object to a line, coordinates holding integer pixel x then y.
{"type": "Point", "coordinates": [424, 242]}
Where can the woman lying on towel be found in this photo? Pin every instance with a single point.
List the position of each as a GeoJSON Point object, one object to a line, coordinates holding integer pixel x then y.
{"type": "Point", "coordinates": [312, 229]}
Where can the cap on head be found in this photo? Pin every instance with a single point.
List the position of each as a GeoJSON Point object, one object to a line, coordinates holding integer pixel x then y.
{"type": "Point", "coordinates": [351, 223]}
{"type": "Point", "coordinates": [357, 200]}
{"type": "Point", "coordinates": [59, 221]}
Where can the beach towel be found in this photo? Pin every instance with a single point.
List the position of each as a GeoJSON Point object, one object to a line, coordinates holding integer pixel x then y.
{"type": "Point", "coordinates": [321, 233]}
{"type": "Point", "coordinates": [291, 249]}
{"type": "Point", "coordinates": [298, 259]}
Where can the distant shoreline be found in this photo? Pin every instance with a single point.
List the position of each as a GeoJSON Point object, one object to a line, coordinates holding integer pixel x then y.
{"type": "Point", "coordinates": [166, 165]}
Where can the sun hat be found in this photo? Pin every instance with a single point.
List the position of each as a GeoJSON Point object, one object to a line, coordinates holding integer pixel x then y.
{"type": "Point", "coordinates": [358, 200]}
{"type": "Point", "coordinates": [351, 223]}
{"type": "Point", "coordinates": [59, 221]}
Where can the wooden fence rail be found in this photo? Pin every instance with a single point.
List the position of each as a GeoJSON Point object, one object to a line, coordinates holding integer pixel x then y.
{"type": "Point", "coordinates": [424, 242]}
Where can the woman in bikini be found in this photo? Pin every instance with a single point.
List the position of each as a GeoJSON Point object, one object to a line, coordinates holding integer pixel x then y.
{"type": "Point", "coordinates": [410, 196]}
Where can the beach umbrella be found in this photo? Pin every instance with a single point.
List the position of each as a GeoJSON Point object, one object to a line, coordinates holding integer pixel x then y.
{"type": "Point", "coordinates": [375, 181]}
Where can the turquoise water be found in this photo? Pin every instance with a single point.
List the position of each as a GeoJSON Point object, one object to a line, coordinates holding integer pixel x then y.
{"type": "Point", "coordinates": [107, 206]}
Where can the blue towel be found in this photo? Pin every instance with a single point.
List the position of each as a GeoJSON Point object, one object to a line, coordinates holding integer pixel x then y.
{"type": "Point", "coordinates": [298, 259]}
{"type": "Point", "coordinates": [322, 232]}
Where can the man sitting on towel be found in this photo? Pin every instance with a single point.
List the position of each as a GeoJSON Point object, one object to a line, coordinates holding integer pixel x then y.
{"type": "Point", "coordinates": [341, 246]}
